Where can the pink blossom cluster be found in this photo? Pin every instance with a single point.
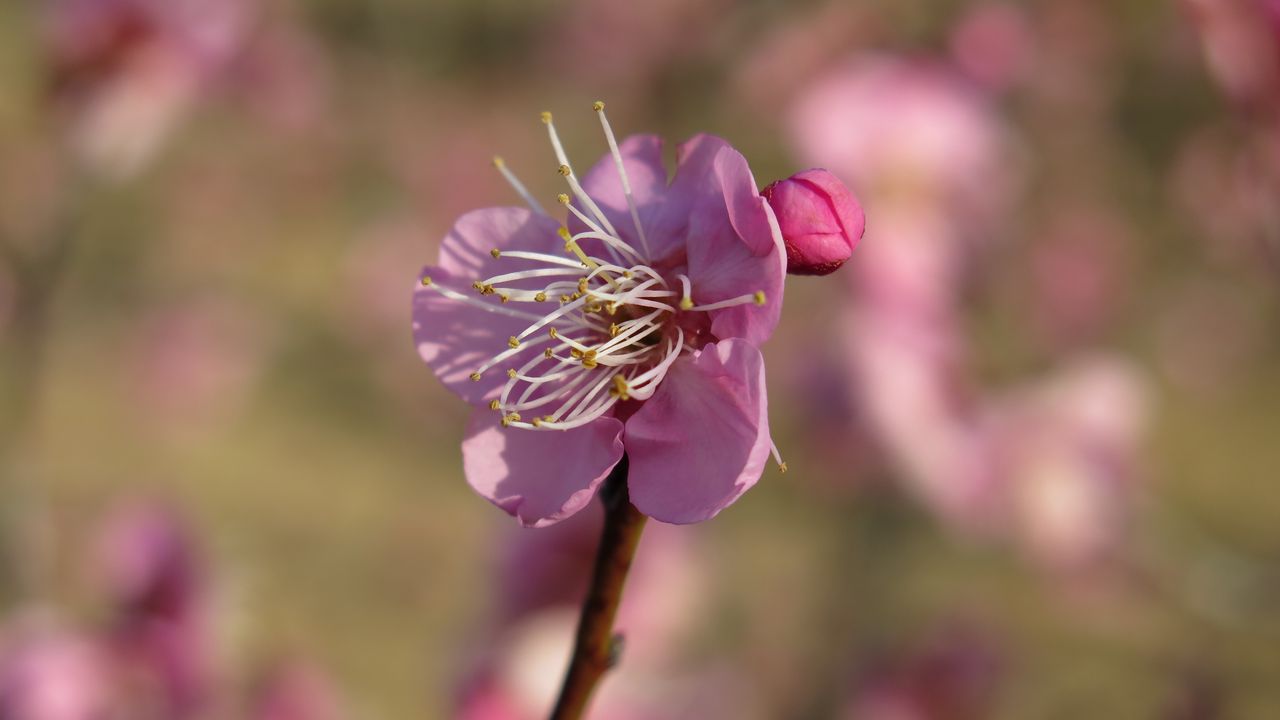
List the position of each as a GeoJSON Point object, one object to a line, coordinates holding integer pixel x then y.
{"type": "Point", "coordinates": [153, 657]}
{"type": "Point", "coordinates": [1051, 464]}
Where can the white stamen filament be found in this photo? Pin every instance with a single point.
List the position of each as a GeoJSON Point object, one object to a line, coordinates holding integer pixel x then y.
{"type": "Point", "coordinates": [518, 186]}
{"type": "Point", "coordinates": [622, 175]}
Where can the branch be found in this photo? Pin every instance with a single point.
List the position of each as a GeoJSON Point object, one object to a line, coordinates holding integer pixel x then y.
{"type": "Point", "coordinates": [596, 648]}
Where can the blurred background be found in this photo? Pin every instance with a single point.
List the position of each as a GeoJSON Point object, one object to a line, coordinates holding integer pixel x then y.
{"type": "Point", "coordinates": [1031, 426]}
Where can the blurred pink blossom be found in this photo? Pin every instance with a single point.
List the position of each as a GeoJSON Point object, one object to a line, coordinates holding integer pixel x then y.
{"type": "Point", "coordinates": [542, 577]}
{"type": "Point", "coordinates": [1241, 40]}
{"type": "Point", "coordinates": [910, 135]}
{"type": "Point", "coordinates": [125, 71]}
{"type": "Point", "coordinates": [955, 675]}
{"type": "Point", "coordinates": [1077, 279]}
{"type": "Point", "coordinates": [1067, 450]}
{"type": "Point", "coordinates": [625, 45]}
{"type": "Point", "coordinates": [994, 44]}
{"type": "Point", "coordinates": [153, 578]}
{"type": "Point", "coordinates": [49, 673]}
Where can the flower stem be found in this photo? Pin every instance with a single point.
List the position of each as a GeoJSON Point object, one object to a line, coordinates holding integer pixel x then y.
{"type": "Point", "coordinates": [596, 648]}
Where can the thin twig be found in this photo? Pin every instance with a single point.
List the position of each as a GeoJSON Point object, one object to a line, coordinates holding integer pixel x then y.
{"type": "Point", "coordinates": [596, 648]}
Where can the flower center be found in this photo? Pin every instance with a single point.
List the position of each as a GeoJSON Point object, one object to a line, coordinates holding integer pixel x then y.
{"type": "Point", "coordinates": [605, 325]}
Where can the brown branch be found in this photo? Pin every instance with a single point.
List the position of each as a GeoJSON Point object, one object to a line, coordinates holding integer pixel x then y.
{"type": "Point", "coordinates": [596, 649]}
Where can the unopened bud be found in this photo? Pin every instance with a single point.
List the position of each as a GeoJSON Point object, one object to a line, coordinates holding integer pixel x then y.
{"type": "Point", "coordinates": [820, 219]}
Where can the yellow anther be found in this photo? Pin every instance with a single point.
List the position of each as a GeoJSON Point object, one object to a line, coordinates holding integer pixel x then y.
{"type": "Point", "coordinates": [593, 307]}
{"type": "Point", "coordinates": [564, 170]}
{"type": "Point", "coordinates": [506, 421]}
{"type": "Point", "coordinates": [589, 364]}
{"type": "Point", "coordinates": [589, 355]}
{"type": "Point", "coordinates": [614, 330]}
{"type": "Point", "coordinates": [426, 281]}
{"type": "Point", "coordinates": [511, 373]}
{"type": "Point", "coordinates": [505, 299]}
{"type": "Point", "coordinates": [498, 161]}
{"type": "Point", "coordinates": [627, 274]}
{"type": "Point", "coordinates": [547, 353]}
{"type": "Point", "coordinates": [546, 117]}
{"type": "Point", "coordinates": [514, 416]}
{"type": "Point", "coordinates": [536, 422]}
{"type": "Point", "coordinates": [479, 286]}
{"type": "Point", "coordinates": [496, 253]}
{"type": "Point", "coordinates": [553, 333]}
{"type": "Point", "coordinates": [564, 299]}
{"type": "Point", "coordinates": [575, 353]}
{"type": "Point", "coordinates": [513, 342]}
{"type": "Point", "coordinates": [611, 307]}
{"type": "Point", "coordinates": [475, 377]}
{"type": "Point", "coordinates": [540, 297]}
{"type": "Point", "coordinates": [563, 198]}
{"type": "Point", "coordinates": [686, 303]}
{"type": "Point", "coordinates": [782, 468]}
{"type": "Point", "coordinates": [565, 235]}
{"type": "Point", "coordinates": [582, 285]}
{"type": "Point", "coordinates": [759, 297]}
{"type": "Point", "coordinates": [597, 106]}
{"type": "Point", "coordinates": [494, 405]}
{"type": "Point", "coordinates": [620, 390]}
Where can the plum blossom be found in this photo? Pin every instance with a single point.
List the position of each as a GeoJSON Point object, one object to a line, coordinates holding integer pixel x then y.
{"type": "Point", "coordinates": [1065, 450]}
{"type": "Point", "coordinates": [634, 328]}
{"type": "Point", "coordinates": [153, 575]}
{"type": "Point", "coordinates": [820, 220]}
{"type": "Point", "coordinates": [50, 673]}
{"type": "Point", "coordinates": [127, 70]}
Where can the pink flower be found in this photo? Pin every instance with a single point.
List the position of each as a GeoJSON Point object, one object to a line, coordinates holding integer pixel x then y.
{"type": "Point", "coordinates": [129, 69]}
{"type": "Point", "coordinates": [1067, 452]}
{"type": "Point", "coordinates": [909, 134]}
{"type": "Point", "coordinates": [153, 576]}
{"type": "Point", "coordinates": [632, 329]}
{"type": "Point", "coordinates": [820, 220]}
{"type": "Point", "coordinates": [48, 673]}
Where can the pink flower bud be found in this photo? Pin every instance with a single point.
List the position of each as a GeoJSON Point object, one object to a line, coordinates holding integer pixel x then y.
{"type": "Point", "coordinates": [820, 219]}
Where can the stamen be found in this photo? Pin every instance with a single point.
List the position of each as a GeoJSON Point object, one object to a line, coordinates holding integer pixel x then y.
{"type": "Point", "coordinates": [620, 388]}
{"type": "Point", "coordinates": [518, 186]}
{"type": "Point", "coordinates": [777, 457]}
{"type": "Point", "coordinates": [482, 305]}
{"type": "Point", "coordinates": [566, 170]}
{"type": "Point", "coordinates": [622, 175]}
{"type": "Point", "coordinates": [755, 297]}
{"type": "Point", "coordinates": [686, 300]}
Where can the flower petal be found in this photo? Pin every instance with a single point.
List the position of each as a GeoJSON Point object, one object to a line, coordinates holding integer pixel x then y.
{"type": "Point", "coordinates": [733, 244]}
{"type": "Point", "coordinates": [466, 252]}
{"type": "Point", "coordinates": [642, 158]}
{"type": "Point", "coordinates": [703, 438]}
{"type": "Point", "coordinates": [455, 337]}
{"type": "Point", "coordinates": [539, 476]}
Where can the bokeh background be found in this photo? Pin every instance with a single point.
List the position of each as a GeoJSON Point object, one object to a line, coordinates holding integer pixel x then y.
{"type": "Point", "coordinates": [1031, 427]}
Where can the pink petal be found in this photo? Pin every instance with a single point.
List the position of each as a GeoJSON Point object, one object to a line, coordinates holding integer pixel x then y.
{"type": "Point", "coordinates": [703, 438]}
{"type": "Point", "coordinates": [465, 251]}
{"type": "Point", "coordinates": [642, 158]}
{"type": "Point", "coordinates": [454, 337]}
{"type": "Point", "coordinates": [734, 247]}
{"type": "Point", "coordinates": [540, 477]}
